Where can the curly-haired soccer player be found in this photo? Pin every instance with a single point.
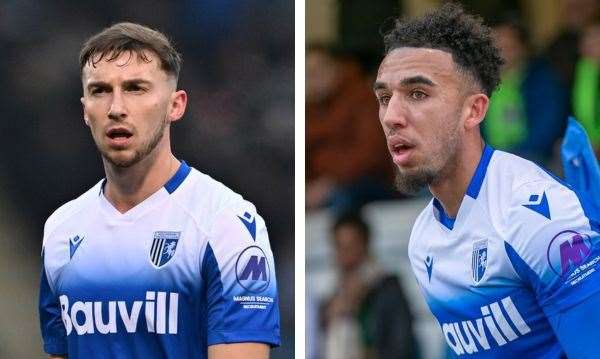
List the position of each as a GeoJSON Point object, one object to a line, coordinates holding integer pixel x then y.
{"type": "Point", "coordinates": [506, 255]}
{"type": "Point", "coordinates": [157, 260]}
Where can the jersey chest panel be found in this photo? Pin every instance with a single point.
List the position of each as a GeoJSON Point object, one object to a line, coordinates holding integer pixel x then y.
{"type": "Point", "coordinates": [139, 276]}
{"type": "Point", "coordinates": [482, 306]}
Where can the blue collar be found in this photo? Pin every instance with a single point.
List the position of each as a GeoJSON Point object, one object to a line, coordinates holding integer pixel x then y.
{"type": "Point", "coordinates": [172, 184]}
{"type": "Point", "coordinates": [444, 219]}
{"type": "Point", "coordinates": [472, 190]}
{"type": "Point", "coordinates": [178, 177]}
{"type": "Point", "coordinates": [477, 180]}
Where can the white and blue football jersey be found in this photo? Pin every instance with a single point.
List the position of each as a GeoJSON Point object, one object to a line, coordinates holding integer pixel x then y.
{"type": "Point", "coordinates": [522, 253]}
{"type": "Point", "coordinates": [188, 267]}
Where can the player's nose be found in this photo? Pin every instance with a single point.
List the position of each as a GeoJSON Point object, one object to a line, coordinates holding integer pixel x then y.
{"type": "Point", "coordinates": [395, 114]}
{"type": "Point", "coordinates": [117, 110]}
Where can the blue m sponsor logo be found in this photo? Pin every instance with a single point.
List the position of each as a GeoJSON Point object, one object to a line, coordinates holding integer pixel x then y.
{"type": "Point", "coordinates": [256, 267]}
{"type": "Point", "coordinates": [252, 270]}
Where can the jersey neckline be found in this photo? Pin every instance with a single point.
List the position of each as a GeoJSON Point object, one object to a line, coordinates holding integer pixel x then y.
{"type": "Point", "coordinates": [163, 192]}
{"type": "Point", "coordinates": [473, 189]}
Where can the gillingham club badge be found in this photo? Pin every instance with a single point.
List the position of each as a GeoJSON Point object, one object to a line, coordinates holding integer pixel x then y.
{"type": "Point", "coordinates": [163, 247]}
{"type": "Point", "coordinates": [479, 259]}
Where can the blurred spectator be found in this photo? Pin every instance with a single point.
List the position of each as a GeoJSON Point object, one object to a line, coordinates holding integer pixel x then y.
{"type": "Point", "coordinates": [348, 164]}
{"type": "Point", "coordinates": [368, 315]}
{"type": "Point", "coordinates": [563, 51]}
{"type": "Point", "coordinates": [528, 111]}
{"type": "Point", "coordinates": [586, 86]}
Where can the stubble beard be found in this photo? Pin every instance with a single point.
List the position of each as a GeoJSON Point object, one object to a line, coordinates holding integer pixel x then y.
{"type": "Point", "coordinates": [413, 181]}
{"type": "Point", "coordinates": [141, 153]}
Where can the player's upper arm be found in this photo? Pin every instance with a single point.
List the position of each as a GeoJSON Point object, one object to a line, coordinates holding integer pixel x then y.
{"type": "Point", "coordinates": [52, 328]}
{"type": "Point", "coordinates": [551, 244]}
{"type": "Point", "coordinates": [555, 248]}
{"type": "Point", "coordinates": [238, 351]}
{"type": "Point", "coordinates": [238, 271]}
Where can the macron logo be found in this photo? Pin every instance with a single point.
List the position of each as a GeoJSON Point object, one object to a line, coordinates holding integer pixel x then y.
{"type": "Point", "coordinates": [250, 222]}
{"type": "Point", "coordinates": [539, 205]}
{"type": "Point", "coordinates": [429, 266]}
{"type": "Point", "coordinates": [473, 335]}
{"type": "Point", "coordinates": [74, 244]}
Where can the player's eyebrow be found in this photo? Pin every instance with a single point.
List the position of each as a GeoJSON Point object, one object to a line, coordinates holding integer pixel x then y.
{"type": "Point", "coordinates": [97, 84]}
{"type": "Point", "coordinates": [136, 82]}
{"type": "Point", "coordinates": [130, 82]}
{"type": "Point", "coordinates": [378, 85]}
{"type": "Point", "coordinates": [413, 80]}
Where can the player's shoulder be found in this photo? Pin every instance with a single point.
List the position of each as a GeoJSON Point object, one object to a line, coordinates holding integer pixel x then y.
{"type": "Point", "coordinates": [71, 209]}
{"type": "Point", "coordinates": [513, 173]}
{"type": "Point", "coordinates": [207, 200]}
{"type": "Point", "coordinates": [528, 197]}
{"type": "Point", "coordinates": [515, 182]}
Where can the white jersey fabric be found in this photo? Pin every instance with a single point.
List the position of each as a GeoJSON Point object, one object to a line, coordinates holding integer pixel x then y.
{"type": "Point", "coordinates": [189, 267]}
{"type": "Point", "coordinates": [521, 249]}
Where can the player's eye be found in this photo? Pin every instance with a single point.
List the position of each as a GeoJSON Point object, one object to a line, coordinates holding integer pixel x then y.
{"type": "Point", "coordinates": [418, 95]}
{"type": "Point", "coordinates": [135, 88]}
{"type": "Point", "coordinates": [383, 100]}
{"type": "Point", "coordinates": [98, 90]}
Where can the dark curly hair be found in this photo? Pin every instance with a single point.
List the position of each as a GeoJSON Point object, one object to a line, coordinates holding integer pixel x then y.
{"type": "Point", "coordinates": [452, 30]}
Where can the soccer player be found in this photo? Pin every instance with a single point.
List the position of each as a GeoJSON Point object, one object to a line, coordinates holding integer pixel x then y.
{"type": "Point", "coordinates": [157, 260]}
{"type": "Point", "coordinates": [505, 254]}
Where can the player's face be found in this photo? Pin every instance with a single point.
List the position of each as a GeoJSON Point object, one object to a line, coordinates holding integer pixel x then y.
{"type": "Point", "coordinates": [420, 94]}
{"type": "Point", "coordinates": [128, 104]}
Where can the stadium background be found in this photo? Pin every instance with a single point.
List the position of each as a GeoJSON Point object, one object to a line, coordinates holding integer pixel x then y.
{"type": "Point", "coordinates": [239, 126]}
{"type": "Point", "coordinates": [348, 31]}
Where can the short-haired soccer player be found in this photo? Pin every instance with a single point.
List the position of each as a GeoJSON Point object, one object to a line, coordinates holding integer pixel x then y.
{"type": "Point", "coordinates": [157, 260]}
{"type": "Point", "coordinates": [506, 255]}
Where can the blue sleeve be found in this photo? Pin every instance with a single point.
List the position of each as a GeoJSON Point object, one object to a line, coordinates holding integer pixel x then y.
{"type": "Point", "coordinates": [239, 277]}
{"type": "Point", "coordinates": [577, 328]}
{"type": "Point", "coordinates": [53, 330]}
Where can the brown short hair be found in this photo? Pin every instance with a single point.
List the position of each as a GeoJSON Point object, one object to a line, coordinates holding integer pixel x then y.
{"type": "Point", "coordinates": [111, 42]}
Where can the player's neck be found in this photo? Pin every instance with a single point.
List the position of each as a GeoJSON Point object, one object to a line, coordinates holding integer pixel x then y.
{"type": "Point", "coordinates": [453, 186]}
{"type": "Point", "coordinates": [127, 187]}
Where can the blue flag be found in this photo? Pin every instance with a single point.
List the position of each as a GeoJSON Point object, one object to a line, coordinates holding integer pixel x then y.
{"type": "Point", "coordinates": [580, 164]}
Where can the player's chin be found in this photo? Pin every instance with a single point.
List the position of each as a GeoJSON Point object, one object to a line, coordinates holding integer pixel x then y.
{"type": "Point", "coordinates": [411, 166]}
{"type": "Point", "coordinates": [122, 158]}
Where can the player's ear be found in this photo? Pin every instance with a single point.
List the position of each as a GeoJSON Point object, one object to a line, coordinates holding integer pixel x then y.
{"type": "Point", "coordinates": [475, 109]}
{"type": "Point", "coordinates": [177, 105]}
{"type": "Point", "coordinates": [85, 116]}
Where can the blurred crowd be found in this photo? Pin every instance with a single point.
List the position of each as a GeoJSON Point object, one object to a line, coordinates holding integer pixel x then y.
{"type": "Point", "coordinates": [239, 127]}
{"type": "Point", "coordinates": [347, 160]}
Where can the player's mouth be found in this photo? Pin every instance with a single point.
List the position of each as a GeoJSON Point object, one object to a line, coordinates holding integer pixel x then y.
{"type": "Point", "coordinates": [119, 136]}
{"type": "Point", "coordinates": [401, 150]}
